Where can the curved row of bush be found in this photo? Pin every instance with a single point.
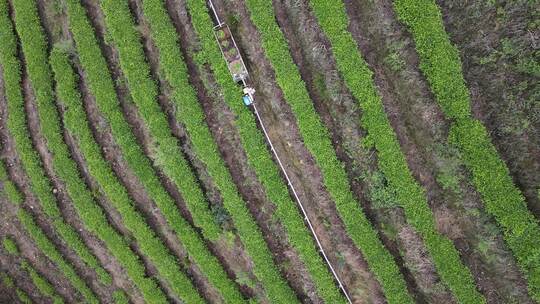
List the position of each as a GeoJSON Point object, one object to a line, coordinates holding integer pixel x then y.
{"type": "Point", "coordinates": [144, 93]}
{"type": "Point", "coordinates": [29, 157]}
{"type": "Point", "coordinates": [191, 114]}
{"type": "Point", "coordinates": [21, 294]}
{"type": "Point", "coordinates": [40, 239]}
{"type": "Point", "coordinates": [358, 77]}
{"type": "Point", "coordinates": [317, 140]}
{"type": "Point", "coordinates": [8, 189]}
{"type": "Point", "coordinates": [440, 63]}
{"type": "Point", "coordinates": [75, 122]}
{"type": "Point", "coordinates": [260, 159]}
{"type": "Point", "coordinates": [101, 86]}
{"type": "Point", "coordinates": [35, 53]}
{"type": "Point", "coordinates": [42, 285]}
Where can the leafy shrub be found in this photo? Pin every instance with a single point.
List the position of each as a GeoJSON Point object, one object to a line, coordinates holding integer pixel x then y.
{"type": "Point", "coordinates": [317, 140]}
{"type": "Point", "coordinates": [440, 62]}
{"type": "Point", "coordinates": [29, 157]}
{"type": "Point", "coordinates": [144, 93]}
{"type": "Point", "coordinates": [34, 49]}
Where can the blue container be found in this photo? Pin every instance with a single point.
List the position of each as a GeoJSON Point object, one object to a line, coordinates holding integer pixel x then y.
{"type": "Point", "coordinates": [247, 100]}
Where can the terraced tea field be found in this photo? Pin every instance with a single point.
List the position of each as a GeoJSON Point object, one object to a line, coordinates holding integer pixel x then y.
{"type": "Point", "coordinates": [254, 151]}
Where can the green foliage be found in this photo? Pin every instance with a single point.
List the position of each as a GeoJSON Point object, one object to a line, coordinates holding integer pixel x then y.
{"type": "Point", "coordinates": [41, 283]}
{"type": "Point", "coordinates": [440, 62]}
{"type": "Point", "coordinates": [120, 297]}
{"type": "Point", "coordinates": [394, 61]}
{"type": "Point", "coordinates": [502, 199]}
{"type": "Point", "coordinates": [34, 49]}
{"type": "Point", "coordinates": [381, 196]}
{"type": "Point", "coordinates": [43, 244]}
{"type": "Point", "coordinates": [6, 280]}
{"type": "Point", "coordinates": [9, 189]}
{"type": "Point", "coordinates": [76, 123]}
{"type": "Point", "coordinates": [10, 246]}
{"type": "Point", "coordinates": [101, 86]}
{"type": "Point", "coordinates": [392, 163]}
{"type": "Point", "coordinates": [144, 93]}
{"type": "Point", "coordinates": [23, 296]}
{"type": "Point", "coordinates": [444, 75]}
{"type": "Point", "coordinates": [317, 140]}
{"type": "Point", "coordinates": [260, 159]}
{"type": "Point", "coordinates": [30, 160]}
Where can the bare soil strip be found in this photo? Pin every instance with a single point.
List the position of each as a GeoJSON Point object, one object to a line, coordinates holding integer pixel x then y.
{"type": "Point", "coordinates": [299, 163]}
{"type": "Point", "coordinates": [221, 122]}
{"type": "Point", "coordinates": [339, 111]}
{"type": "Point", "coordinates": [496, 40]}
{"type": "Point", "coordinates": [423, 132]}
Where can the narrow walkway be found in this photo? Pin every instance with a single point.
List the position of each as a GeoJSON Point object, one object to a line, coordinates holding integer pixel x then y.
{"type": "Point", "coordinates": [248, 91]}
{"type": "Point", "coordinates": [304, 213]}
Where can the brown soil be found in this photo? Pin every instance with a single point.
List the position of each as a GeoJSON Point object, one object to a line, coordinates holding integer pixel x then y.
{"type": "Point", "coordinates": [32, 204]}
{"type": "Point", "coordinates": [221, 122]}
{"type": "Point", "coordinates": [493, 38]}
{"type": "Point", "coordinates": [340, 112]}
{"type": "Point", "coordinates": [422, 133]}
{"type": "Point", "coordinates": [299, 163]}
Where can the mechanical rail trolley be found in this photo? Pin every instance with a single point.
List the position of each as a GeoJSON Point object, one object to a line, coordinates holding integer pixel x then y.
{"type": "Point", "coordinates": [240, 75]}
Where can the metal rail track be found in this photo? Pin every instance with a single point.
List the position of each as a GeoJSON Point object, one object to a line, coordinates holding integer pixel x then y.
{"type": "Point", "coordinates": [304, 213]}
{"type": "Point", "coordinates": [282, 168]}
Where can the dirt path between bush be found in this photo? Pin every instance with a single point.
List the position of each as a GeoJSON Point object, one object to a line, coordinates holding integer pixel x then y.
{"type": "Point", "coordinates": [284, 133]}
{"type": "Point", "coordinates": [422, 133]}
{"type": "Point", "coordinates": [340, 112]}
{"type": "Point", "coordinates": [31, 204]}
{"type": "Point", "coordinates": [492, 39]}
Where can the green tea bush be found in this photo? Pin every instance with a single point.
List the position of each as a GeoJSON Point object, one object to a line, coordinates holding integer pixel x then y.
{"type": "Point", "coordinates": [34, 48]}
{"type": "Point", "coordinates": [391, 160]}
{"type": "Point", "coordinates": [29, 157]}
{"type": "Point", "coordinates": [75, 122]}
{"type": "Point", "coordinates": [440, 63]}
{"type": "Point", "coordinates": [168, 157]}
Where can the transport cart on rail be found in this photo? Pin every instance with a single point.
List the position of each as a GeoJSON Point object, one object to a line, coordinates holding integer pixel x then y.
{"type": "Point", "coordinates": [232, 56]}
{"type": "Point", "coordinates": [240, 75]}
